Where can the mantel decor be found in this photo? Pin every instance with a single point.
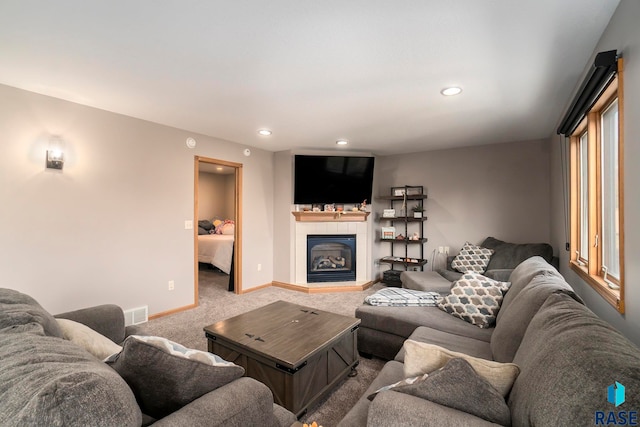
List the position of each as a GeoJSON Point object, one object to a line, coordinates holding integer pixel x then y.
{"type": "Point", "coordinates": [331, 216]}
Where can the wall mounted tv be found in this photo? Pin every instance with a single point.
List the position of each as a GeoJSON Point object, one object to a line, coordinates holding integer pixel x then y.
{"type": "Point", "coordinates": [332, 179]}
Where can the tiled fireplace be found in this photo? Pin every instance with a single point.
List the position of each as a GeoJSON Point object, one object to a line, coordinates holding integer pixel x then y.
{"type": "Point", "coordinates": [331, 258]}
{"type": "Point", "coordinates": [356, 230]}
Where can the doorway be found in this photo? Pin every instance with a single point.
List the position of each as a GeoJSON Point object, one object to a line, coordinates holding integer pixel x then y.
{"type": "Point", "coordinates": [231, 172]}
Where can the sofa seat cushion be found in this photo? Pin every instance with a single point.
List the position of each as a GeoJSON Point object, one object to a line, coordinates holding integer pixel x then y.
{"type": "Point", "coordinates": [515, 317]}
{"type": "Point", "coordinates": [429, 281]}
{"type": "Point", "coordinates": [509, 255]}
{"type": "Point", "coordinates": [165, 376]}
{"type": "Point", "coordinates": [50, 381]}
{"type": "Point", "coordinates": [402, 321]}
{"type": "Point", "coordinates": [20, 309]}
{"type": "Point", "coordinates": [393, 409]}
{"type": "Point", "coordinates": [471, 346]}
{"type": "Point", "coordinates": [569, 358]}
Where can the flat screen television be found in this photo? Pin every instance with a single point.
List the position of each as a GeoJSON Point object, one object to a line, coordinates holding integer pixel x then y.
{"type": "Point", "coordinates": [332, 179]}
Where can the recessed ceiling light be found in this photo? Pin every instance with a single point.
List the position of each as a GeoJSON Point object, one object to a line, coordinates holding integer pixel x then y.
{"type": "Point", "coordinates": [264, 132]}
{"type": "Point", "coordinates": [450, 91]}
{"type": "Point", "coordinates": [219, 168]}
{"type": "Point", "coordinates": [342, 142]}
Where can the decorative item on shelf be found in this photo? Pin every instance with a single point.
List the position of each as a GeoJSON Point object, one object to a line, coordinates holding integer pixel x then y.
{"type": "Point", "coordinates": [316, 208]}
{"type": "Point", "coordinates": [414, 191]}
{"type": "Point", "coordinates": [306, 208]}
{"type": "Point", "coordinates": [329, 207]}
{"type": "Point", "coordinates": [388, 233]}
{"type": "Point", "coordinates": [415, 236]}
{"type": "Point", "coordinates": [340, 208]}
{"type": "Point", "coordinates": [399, 192]}
{"type": "Point", "coordinates": [389, 213]}
{"type": "Point", "coordinates": [363, 205]}
{"type": "Point", "coordinates": [400, 237]}
{"type": "Point", "coordinates": [354, 209]}
{"type": "Point", "coordinates": [417, 210]}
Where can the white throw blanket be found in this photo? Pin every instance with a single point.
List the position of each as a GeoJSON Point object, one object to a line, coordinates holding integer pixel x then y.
{"type": "Point", "coordinates": [400, 297]}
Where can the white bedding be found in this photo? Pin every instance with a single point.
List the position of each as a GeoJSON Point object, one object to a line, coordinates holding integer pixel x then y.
{"type": "Point", "coordinates": [216, 249]}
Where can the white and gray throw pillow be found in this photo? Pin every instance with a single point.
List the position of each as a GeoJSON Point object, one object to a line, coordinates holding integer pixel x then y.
{"type": "Point", "coordinates": [475, 299]}
{"type": "Point", "coordinates": [423, 358]}
{"type": "Point", "coordinates": [457, 385]}
{"type": "Point", "coordinates": [85, 337]}
{"type": "Point", "coordinates": [472, 258]}
{"type": "Point", "coordinates": [165, 376]}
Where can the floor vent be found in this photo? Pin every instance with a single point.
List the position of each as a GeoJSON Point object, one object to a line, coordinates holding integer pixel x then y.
{"type": "Point", "coordinates": [136, 315]}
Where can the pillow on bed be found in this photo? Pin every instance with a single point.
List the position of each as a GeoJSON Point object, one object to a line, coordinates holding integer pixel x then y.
{"type": "Point", "coordinates": [227, 227]}
{"type": "Point", "coordinates": [205, 224]}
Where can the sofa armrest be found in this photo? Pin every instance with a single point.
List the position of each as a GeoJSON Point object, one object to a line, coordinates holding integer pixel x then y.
{"type": "Point", "coordinates": [243, 402]}
{"type": "Point", "coordinates": [391, 408]}
{"type": "Point", "coordinates": [140, 329]}
{"type": "Point", "coordinates": [107, 319]}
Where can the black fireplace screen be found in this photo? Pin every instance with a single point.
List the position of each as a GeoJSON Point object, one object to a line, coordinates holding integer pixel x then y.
{"type": "Point", "coordinates": [331, 258]}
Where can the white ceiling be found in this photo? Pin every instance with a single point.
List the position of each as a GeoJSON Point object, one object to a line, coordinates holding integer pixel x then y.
{"type": "Point", "coordinates": [369, 71]}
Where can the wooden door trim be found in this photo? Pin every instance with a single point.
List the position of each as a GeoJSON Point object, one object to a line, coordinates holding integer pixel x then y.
{"type": "Point", "coordinates": [237, 238]}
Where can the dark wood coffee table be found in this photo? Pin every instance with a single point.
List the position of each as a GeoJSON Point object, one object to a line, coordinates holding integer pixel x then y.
{"type": "Point", "coordinates": [299, 352]}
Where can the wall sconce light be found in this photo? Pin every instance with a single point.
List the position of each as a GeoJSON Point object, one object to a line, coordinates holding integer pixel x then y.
{"type": "Point", "coordinates": [55, 153]}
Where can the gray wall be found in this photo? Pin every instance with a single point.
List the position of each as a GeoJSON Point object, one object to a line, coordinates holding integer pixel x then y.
{"type": "Point", "coordinates": [622, 34]}
{"type": "Point", "coordinates": [499, 190]}
{"type": "Point", "coordinates": [110, 226]}
{"type": "Point", "coordinates": [284, 223]}
{"type": "Point", "coordinates": [216, 196]}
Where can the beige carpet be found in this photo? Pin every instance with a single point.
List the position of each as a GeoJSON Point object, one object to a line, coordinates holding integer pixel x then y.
{"type": "Point", "coordinates": [216, 303]}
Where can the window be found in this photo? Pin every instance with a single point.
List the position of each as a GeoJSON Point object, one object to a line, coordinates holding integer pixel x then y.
{"type": "Point", "coordinates": [597, 236]}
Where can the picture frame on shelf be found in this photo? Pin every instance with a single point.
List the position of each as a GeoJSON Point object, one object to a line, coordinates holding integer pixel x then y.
{"type": "Point", "coordinates": [388, 233]}
{"type": "Point", "coordinates": [399, 192]}
{"type": "Point", "coordinates": [389, 213]}
{"type": "Point", "coordinates": [414, 191]}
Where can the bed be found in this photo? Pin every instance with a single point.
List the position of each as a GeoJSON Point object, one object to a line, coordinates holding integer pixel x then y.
{"type": "Point", "coordinates": [217, 250]}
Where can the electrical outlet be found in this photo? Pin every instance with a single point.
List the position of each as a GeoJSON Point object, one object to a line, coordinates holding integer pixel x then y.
{"type": "Point", "coordinates": [259, 267]}
{"type": "Point", "coordinates": [188, 224]}
{"type": "Point", "coordinates": [172, 285]}
{"type": "Point", "coordinates": [440, 249]}
{"type": "Point", "coordinates": [446, 250]}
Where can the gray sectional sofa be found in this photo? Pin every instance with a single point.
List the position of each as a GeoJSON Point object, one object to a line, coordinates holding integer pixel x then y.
{"type": "Point", "coordinates": [46, 380]}
{"type": "Point", "coordinates": [384, 329]}
{"type": "Point", "coordinates": [568, 357]}
{"type": "Point", "coordinates": [506, 256]}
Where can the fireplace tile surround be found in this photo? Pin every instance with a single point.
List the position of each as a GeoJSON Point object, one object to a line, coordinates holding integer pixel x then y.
{"type": "Point", "coordinates": [360, 229]}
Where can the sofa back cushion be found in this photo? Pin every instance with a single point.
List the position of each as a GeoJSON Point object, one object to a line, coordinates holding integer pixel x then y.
{"type": "Point", "coordinates": [568, 360]}
{"type": "Point", "coordinates": [522, 276]}
{"type": "Point", "coordinates": [515, 318]}
{"type": "Point", "coordinates": [48, 381]}
{"type": "Point", "coordinates": [20, 309]}
{"type": "Point", "coordinates": [509, 255]}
